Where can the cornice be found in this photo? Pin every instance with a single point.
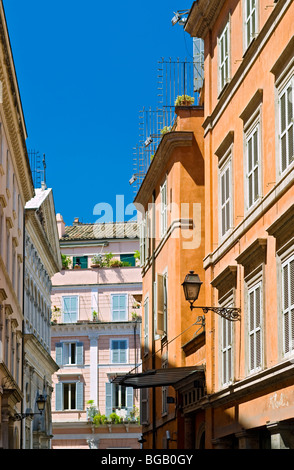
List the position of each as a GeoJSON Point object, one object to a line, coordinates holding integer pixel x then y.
{"type": "Point", "coordinates": [168, 143]}
{"type": "Point", "coordinates": [12, 108]}
{"type": "Point", "coordinates": [202, 17]}
{"type": "Point", "coordinates": [91, 328]}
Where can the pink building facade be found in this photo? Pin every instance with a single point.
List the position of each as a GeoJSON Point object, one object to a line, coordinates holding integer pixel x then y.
{"type": "Point", "coordinates": [96, 330]}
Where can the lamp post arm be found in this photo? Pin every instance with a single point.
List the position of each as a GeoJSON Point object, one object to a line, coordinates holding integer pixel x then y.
{"type": "Point", "coordinates": [229, 313]}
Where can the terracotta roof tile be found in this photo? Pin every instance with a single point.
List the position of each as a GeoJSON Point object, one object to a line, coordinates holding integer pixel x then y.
{"type": "Point", "coordinates": [81, 231]}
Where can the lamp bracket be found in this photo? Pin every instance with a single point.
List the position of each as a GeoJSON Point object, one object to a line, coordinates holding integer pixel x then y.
{"type": "Point", "coordinates": [229, 313]}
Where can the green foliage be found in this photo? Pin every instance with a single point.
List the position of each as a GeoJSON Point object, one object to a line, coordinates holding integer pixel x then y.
{"type": "Point", "coordinates": [183, 100]}
{"type": "Point", "coordinates": [114, 418]}
{"type": "Point", "coordinates": [137, 254]}
{"type": "Point", "coordinates": [165, 130]}
{"type": "Point", "coordinates": [66, 261]}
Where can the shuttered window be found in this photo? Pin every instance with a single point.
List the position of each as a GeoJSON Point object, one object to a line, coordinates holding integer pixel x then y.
{"type": "Point", "coordinates": [161, 304]}
{"type": "Point", "coordinates": [288, 304]}
{"type": "Point", "coordinates": [119, 351]}
{"type": "Point", "coordinates": [118, 397]}
{"type": "Point", "coordinates": [142, 229]}
{"type": "Point", "coordinates": [250, 21]}
{"type": "Point", "coordinates": [144, 408]}
{"type": "Point", "coordinates": [163, 209]}
{"type": "Point", "coordinates": [224, 57]}
{"type": "Point", "coordinates": [226, 350]}
{"type": "Point", "coordinates": [225, 198]}
{"type": "Point", "coordinates": [255, 327]}
{"type": "Point", "coordinates": [81, 261]}
{"type": "Point", "coordinates": [130, 259]}
{"type": "Point", "coordinates": [286, 126]}
{"type": "Point", "coordinates": [69, 353]}
{"type": "Point", "coordinates": [70, 308]}
{"type": "Point", "coordinates": [253, 167]}
{"type": "Point", "coordinates": [69, 396]}
{"type": "Point", "coordinates": [146, 326]}
{"type": "Point", "coordinates": [119, 306]}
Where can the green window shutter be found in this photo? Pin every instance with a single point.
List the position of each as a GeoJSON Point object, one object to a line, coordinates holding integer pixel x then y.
{"type": "Point", "coordinates": [108, 403]}
{"type": "Point", "coordinates": [130, 399]}
{"type": "Point", "coordinates": [58, 353]}
{"type": "Point", "coordinates": [70, 309]}
{"type": "Point", "coordinates": [81, 260]}
{"type": "Point", "coordinates": [80, 395]}
{"type": "Point", "coordinates": [128, 259]}
{"type": "Point", "coordinates": [58, 397]}
{"type": "Point", "coordinates": [119, 351]}
{"type": "Point", "coordinates": [80, 353]}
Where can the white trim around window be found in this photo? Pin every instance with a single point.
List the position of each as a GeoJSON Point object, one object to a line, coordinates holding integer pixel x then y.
{"type": "Point", "coordinates": [286, 125]}
{"type": "Point", "coordinates": [119, 354]}
{"type": "Point", "coordinates": [255, 326]}
{"type": "Point", "coordinates": [224, 56]}
{"type": "Point", "coordinates": [70, 308]}
{"type": "Point", "coordinates": [226, 341]}
{"type": "Point", "coordinates": [119, 307]}
{"type": "Point", "coordinates": [250, 21]}
{"type": "Point", "coordinates": [252, 164]}
{"type": "Point", "coordinates": [287, 305]}
{"type": "Point", "coordinates": [225, 209]}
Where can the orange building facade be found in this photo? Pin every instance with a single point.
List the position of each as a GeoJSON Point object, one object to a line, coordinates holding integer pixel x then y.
{"type": "Point", "coordinates": [249, 245]}
{"type": "Point", "coordinates": [171, 202]}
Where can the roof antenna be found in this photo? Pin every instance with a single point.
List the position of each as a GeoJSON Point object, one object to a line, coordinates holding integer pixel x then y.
{"type": "Point", "coordinates": [44, 186]}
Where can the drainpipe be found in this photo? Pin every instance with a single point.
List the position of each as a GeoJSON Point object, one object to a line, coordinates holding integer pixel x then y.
{"type": "Point", "coordinates": [152, 322]}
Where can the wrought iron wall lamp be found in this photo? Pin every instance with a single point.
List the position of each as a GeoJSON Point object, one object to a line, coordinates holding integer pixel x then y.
{"type": "Point", "coordinates": [192, 285]}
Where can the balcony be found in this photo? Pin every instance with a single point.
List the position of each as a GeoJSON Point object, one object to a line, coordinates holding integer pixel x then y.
{"type": "Point", "coordinates": [94, 276]}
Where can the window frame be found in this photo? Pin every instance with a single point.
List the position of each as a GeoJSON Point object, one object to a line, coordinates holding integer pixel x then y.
{"type": "Point", "coordinates": [286, 262]}
{"type": "Point", "coordinates": [225, 164]}
{"type": "Point", "coordinates": [251, 332]}
{"type": "Point", "coordinates": [228, 302]}
{"type": "Point", "coordinates": [121, 340]}
{"type": "Point", "coordinates": [249, 132]}
{"type": "Point", "coordinates": [77, 297]}
{"type": "Point", "coordinates": [119, 309]}
{"type": "Point", "coordinates": [146, 326]}
{"type": "Point", "coordinates": [163, 208]}
{"type": "Point", "coordinates": [223, 81]}
{"type": "Point", "coordinates": [281, 92]}
{"type": "Point", "coordinates": [248, 19]}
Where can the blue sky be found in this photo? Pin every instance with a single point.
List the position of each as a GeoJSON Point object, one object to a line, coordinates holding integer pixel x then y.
{"type": "Point", "coordinates": [85, 70]}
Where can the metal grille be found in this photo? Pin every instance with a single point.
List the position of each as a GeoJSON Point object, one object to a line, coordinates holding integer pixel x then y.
{"type": "Point", "coordinates": [174, 78]}
{"type": "Point", "coordinates": [38, 168]}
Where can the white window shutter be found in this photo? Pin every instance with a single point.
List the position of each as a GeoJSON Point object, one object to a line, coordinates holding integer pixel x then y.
{"type": "Point", "coordinates": [160, 304]}
{"type": "Point", "coordinates": [58, 396]}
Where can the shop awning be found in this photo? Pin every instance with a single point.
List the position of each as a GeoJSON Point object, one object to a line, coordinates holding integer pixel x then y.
{"type": "Point", "coordinates": [159, 377]}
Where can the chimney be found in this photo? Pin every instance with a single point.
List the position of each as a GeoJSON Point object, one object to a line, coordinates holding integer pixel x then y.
{"type": "Point", "coordinates": [60, 225]}
{"type": "Point", "coordinates": [76, 221]}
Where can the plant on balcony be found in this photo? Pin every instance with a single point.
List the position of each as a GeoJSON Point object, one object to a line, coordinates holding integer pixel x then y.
{"type": "Point", "coordinates": [92, 411]}
{"type": "Point", "coordinates": [55, 314]}
{"type": "Point", "coordinates": [134, 414]}
{"type": "Point", "coordinates": [66, 261]}
{"type": "Point", "coordinates": [95, 315]}
{"type": "Point", "coordinates": [165, 130]}
{"type": "Point", "coordinates": [97, 261]}
{"type": "Point", "coordinates": [115, 263]}
{"type": "Point", "coordinates": [184, 100]}
{"type": "Point", "coordinates": [135, 316]}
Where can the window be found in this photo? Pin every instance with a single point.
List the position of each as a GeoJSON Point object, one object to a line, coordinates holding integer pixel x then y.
{"type": "Point", "coordinates": [130, 259]}
{"type": "Point", "coordinates": [253, 166]}
{"type": "Point", "coordinates": [146, 326]}
{"type": "Point", "coordinates": [226, 197]}
{"type": "Point", "coordinates": [224, 57]}
{"type": "Point", "coordinates": [70, 308]}
{"type": "Point", "coordinates": [164, 393]}
{"type": "Point", "coordinates": [286, 126]}
{"type": "Point", "coordinates": [81, 261]}
{"type": "Point", "coordinates": [69, 396]}
{"type": "Point", "coordinates": [118, 396]}
{"type": "Point", "coordinates": [119, 351]}
{"type": "Point", "coordinates": [250, 21]}
{"type": "Point", "coordinates": [163, 209]}
{"type": "Point", "coordinates": [119, 307]}
{"type": "Point", "coordinates": [255, 327]}
{"type": "Point", "coordinates": [161, 304]}
{"type": "Point", "coordinates": [288, 305]}
{"type": "Point", "coordinates": [8, 251]}
{"type": "Point", "coordinates": [226, 350]}
{"type": "Point", "coordinates": [7, 171]}
{"type": "Point", "coordinates": [69, 353]}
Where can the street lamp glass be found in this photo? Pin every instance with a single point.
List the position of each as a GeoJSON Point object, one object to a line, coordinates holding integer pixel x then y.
{"type": "Point", "coordinates": [191, 286]}
{"type": "Point", "coordinates": [41, 400]}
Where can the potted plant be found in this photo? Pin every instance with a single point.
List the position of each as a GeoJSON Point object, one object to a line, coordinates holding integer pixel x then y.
{"type": "Point", "coordinates": [184, 100]}
{"type": "Point", "coordinates": [66, 261]}
{"type": "Point", "coordinates": [165, 130]}
{"type": "Point", "coordinates": [97, 261]}
{"type": "Point", "coordinates": [135, 316]}
{"type": "Point", "coordinates": [55, 314]}
{"type": "Point", "coordinates": [95, 315]}
{"type": "Point", "coordinates": [115, 263]}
